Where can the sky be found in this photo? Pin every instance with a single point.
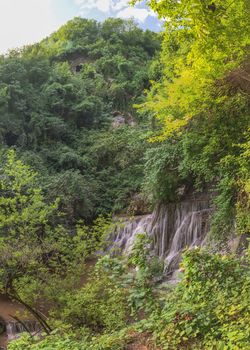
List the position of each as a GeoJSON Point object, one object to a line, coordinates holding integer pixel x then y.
{"type": "Point", "coordinates": [24, 22]}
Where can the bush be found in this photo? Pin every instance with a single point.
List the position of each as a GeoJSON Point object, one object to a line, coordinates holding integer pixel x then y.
{"type": "Point", "coordinates": [209, 309]}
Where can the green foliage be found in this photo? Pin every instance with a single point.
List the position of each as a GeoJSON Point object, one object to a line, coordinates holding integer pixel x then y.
{"type": "Point", "coordinates": [141, 296]}
{"type": "Point", "coordinates": [59, 120]}
{"type": "Point", "coordinates": [60, 341]}
{"type": "Point", "coordinates": [77, 193]}
{"type": "Point", "coordinates": [186, 316]}
{"type": "Point", "coordinates": [22, 206]}
{"type": "Point", "coordinates": [198, 50]}
{"type": "Point", "coordinates": [201, 108]}
{"type": "Point", "coordinates": [209, 308]}
{"type": "Point", "coordinates": [61, 123]}
{"type": "Point", "coordinates": [243, 182]}
{"type": "Point", "coordinates": [116, 164]}
{"type": "Point", "coordinates": [26, 224]}
{"type": "Point", "coordinates": [93, 238]}
{"type": "Point", "coordinates": [161, 177]}
{"type": "Point", "coordinates": [40, 259]}
{"type": "Point", "coordinates": [212, 151]}
{"type": "Point", "coordinates": [101, 305]}
{"type": "Point", "coordinates": [55, 342]}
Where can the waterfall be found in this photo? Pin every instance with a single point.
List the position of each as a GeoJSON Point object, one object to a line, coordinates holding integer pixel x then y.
{"type": "Point", "coordinates": [172, 228]}
{"type": "Point", "coordinates": [14, 328]}
{"type": "Point", "coordinates": [125, 232]}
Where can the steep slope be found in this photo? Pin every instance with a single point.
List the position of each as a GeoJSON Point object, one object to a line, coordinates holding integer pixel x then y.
{"type": "Point", "coordinates": [66, 106]}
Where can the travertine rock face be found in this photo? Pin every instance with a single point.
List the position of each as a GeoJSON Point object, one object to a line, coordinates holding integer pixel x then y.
{"type": "Point", "coordinates": [172, 228]}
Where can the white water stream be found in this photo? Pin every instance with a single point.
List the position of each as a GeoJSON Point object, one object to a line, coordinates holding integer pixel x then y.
{"type": "Point", "coordinates": [172, 228]}
{"type": "Point", "coordinates": [13, 328]}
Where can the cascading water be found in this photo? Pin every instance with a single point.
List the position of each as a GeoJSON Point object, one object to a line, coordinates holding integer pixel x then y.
{"type": "Point", "coordinates": [172, 228]}
{"type": "Point", "coordinates": [14, 328]}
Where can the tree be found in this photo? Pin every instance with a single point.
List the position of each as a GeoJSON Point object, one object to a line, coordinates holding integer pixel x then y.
{"type": "Point", "coordinates": [198, 52]}
{"type": "Point", "coordinates": [47, 110]}
{"type": "Point", "coordinates": [35, 251]}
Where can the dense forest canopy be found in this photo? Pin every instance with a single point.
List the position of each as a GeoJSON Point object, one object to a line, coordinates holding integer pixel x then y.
{"type": "Point", "coordinates": [104, 118]}
{"type": "Point", "coordinates": [60, 121]}
{"type": "Point", "coordinates": [201, 101]}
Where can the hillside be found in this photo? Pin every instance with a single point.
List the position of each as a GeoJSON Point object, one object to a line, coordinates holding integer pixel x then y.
{"type": "Point", "coordinates": [61, 101]}
{"type": "Point", "coordinates": [121, 150]}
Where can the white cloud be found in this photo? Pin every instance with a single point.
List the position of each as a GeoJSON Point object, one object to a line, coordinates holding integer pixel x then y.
{"type": "Point", "coordinates": [117, 8]}
{"type": "Point", "coordinates": [25, 21]}
{"type": "Point", "coordinates": [139, 14]}
{"type": "Point", "coordinates": [120, 5]}
{"type": "Point", "coordinates": [101, 5]}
